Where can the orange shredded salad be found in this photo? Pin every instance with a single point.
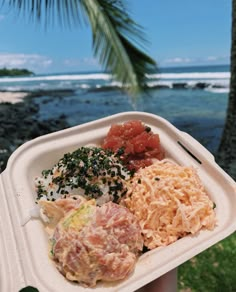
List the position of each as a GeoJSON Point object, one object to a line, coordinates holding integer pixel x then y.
{"type": "Point", "coordinates": [170, 202]}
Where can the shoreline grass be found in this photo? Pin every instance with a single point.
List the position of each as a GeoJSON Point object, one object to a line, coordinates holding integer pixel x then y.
{"type": "Point", "coordinates": [212, 270]}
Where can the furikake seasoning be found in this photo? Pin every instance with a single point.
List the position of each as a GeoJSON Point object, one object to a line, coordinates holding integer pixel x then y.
{"type": "Point", "coordinates": [89, 171]}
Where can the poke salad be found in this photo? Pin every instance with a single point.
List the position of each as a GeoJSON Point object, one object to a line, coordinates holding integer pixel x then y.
{"type": "Point", "coordinates": [104, 205]}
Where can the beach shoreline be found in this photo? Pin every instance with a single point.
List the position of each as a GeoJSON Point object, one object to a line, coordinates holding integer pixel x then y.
{"type": "Point", "coordinates": [12, 96]}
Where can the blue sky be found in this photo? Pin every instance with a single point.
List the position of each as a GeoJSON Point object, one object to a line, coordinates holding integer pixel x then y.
{"type": "Point", "coordinates": [180, 33]}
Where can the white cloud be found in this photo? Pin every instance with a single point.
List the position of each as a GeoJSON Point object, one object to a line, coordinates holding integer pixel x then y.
{"type": "Point", "coordinates": [29, 61]}
{"type": "Point", "coordinates": [217, 59]}
{"type": "Point", "coordinates": [89, 62]}
{"type": "Point", "coordinates": [178, 60]}
{"type": "Point", "coordinates": [212, 58]}
{"type": "Point", "coordinates": [195, 61]}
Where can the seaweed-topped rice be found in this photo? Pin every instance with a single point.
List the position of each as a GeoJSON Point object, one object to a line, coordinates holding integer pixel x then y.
{"type": "Point", "coordinates": [91, 172]}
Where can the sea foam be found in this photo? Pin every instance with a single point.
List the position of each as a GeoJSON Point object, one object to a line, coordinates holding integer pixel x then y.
{"type": "Point", "coordinates": [213, 81]}
{"type": "Point", "coordinates": [194, 75]}
{"type": "Point", "coordinates": [97, 76]}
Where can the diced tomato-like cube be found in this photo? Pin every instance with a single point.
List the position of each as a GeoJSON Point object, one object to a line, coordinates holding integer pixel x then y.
{"type": "Point", "coordinates": [140, 145]}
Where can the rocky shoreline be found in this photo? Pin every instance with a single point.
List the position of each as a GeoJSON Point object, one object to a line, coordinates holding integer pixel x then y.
{"type": "Point", "coordinates": [186, 85]}
{"type": "Point", "coordinates": [167, 85]}
{"type": "Point", "coordinates": [19, 124]}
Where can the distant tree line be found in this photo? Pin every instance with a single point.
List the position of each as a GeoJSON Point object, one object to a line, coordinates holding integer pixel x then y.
{"type": "Point", "coordinates": [14, 72]}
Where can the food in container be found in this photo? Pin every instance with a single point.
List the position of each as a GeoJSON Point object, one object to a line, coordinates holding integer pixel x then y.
{"type": "Point", "coordinates": [95, 243]}
{"type": "Point", "coordinates": [170, 202]}
{"type": "Point", "coordinates": [137, 141]}
{"type": "Point", "coordinates": [166, 201]}
{"type": "Point", "coordinates": [27, 245]}
{"type": "Point", "coordinates": [91, 172]}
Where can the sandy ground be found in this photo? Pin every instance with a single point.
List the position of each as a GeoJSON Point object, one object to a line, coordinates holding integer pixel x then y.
{"type": "Point", "coordinates": [12, 97]}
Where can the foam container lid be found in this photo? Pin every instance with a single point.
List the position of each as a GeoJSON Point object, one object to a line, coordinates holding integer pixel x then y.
{"type": "Point", "coordinates": [24, 248]}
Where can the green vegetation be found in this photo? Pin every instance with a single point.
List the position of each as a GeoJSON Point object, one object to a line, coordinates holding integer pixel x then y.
{"type": "Point", "coordinates": [29, 289]}
{"type": "Point", "coordinates": [212, 271]}
{"type": "Point", "coordinates": [14, 72]}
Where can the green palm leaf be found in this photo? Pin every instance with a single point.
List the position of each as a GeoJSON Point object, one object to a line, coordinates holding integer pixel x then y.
{"type": "Point", "coordinates": [117, 40]}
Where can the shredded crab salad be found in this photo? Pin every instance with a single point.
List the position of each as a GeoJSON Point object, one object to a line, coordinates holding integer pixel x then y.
{"type": "Point", "coordinates": [170, 202]}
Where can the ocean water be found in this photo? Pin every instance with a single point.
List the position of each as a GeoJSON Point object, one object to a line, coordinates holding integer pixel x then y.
{"type": "Point", "coordinates": [192, 98]}
{"type": "Point", "coordinates": [216, 78]}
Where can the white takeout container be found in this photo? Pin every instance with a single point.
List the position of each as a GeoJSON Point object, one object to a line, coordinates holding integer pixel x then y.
{"type": "Point", "coordinates": [24, 249]}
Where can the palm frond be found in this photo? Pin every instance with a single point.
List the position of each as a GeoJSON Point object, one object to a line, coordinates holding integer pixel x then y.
{"type": "Point", "coordinates": [118, 41]}
{"type": "Point", "coordinates": [48, 12]}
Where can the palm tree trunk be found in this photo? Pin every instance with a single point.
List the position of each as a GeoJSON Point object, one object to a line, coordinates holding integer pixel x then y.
{"type": "Point", "coordinates": [226, 155]}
